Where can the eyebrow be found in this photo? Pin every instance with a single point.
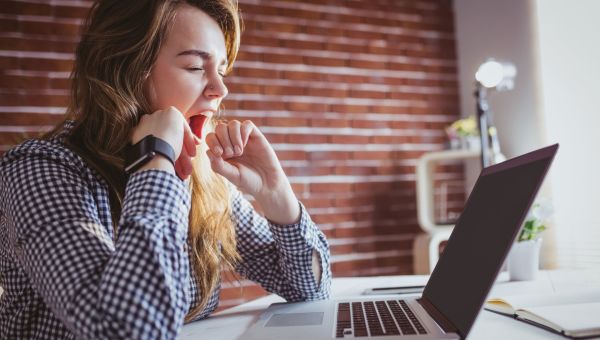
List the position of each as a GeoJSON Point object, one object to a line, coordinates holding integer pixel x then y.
{"type": "Point", "coordinates": [202, 54]}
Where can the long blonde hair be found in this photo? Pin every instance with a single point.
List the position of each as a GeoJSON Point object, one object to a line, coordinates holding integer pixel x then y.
{"type": "Point", "coordinates": [119, 45]}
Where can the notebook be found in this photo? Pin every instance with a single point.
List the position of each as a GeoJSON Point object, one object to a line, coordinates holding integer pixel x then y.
{"type": "Point", "coordinates": [573, 314]}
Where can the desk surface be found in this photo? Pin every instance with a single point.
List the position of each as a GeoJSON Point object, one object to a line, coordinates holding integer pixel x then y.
{"type": "Point", "coordinates": [231, 323]}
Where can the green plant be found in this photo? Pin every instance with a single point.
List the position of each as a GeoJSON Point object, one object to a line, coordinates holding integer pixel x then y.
{"type": "Point", "coordinates": [463, 128]}
{"type": "Point", "coordinates": [536, 220]}
{"type": "Point", "coordinates": [531, 230]}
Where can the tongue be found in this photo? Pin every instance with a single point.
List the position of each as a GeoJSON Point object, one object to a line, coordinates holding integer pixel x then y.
{"type": "Point", "coordinates": [196, 123]}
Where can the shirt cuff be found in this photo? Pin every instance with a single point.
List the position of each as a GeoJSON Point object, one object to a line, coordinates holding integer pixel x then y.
{"type": "Point", "coordinates": [158, 194]}
{"type": "Point", "coordinates": [298, 237]}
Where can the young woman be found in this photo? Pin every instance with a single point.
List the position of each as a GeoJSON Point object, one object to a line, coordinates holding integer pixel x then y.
{"type": "Point", "coordinates": [116, 224]}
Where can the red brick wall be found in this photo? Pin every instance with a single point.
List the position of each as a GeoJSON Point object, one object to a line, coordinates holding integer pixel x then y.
{"type": "Point", "coordinates": [350, 94]}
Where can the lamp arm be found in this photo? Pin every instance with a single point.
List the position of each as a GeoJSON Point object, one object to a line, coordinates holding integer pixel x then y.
{"type": "Point", "coordinates": [482, 117]}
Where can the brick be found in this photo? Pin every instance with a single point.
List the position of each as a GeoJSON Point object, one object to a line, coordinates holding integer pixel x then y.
{"type": "Point", "coordinates": [309, 171]}
{"type": "Point", "coordinates": [331, 218]}
{"type": "Point", "coordinates": [283, 58]}
{"type": "Point", "coordinates": [275, 138]}
{"type": "Point", "coordinates": [299, 66]}
{"type": "Point", "coordinates": [29, 119]}
{"type": "Point", "coordinates": [298, 75]}
{"type": "Point", "coordinates": [286, 121]}
{"type": "Point", "coordinates": [288, 155]}
{"type": "Point", "coordinates": [258, 40]}
{"type": "Point", "coordinates": [341, 123]}
{"type": "Point", "coordinates": [70, 11]}
{"type": "Point", "coordinates": [35, 64]}
{"type": "Point", "coordinates": [302, 44]}
{"type": "Point", "coordinates": [345, 139]}
{"type": "Point", "coordinates": [279, 27]}
{"type": "Point", "coordinates": [321, 61]}
{"type": "Point", "coordinates": [371, 124]}
{"type": "Point", "coordinates": [261, 105]}
{"type": "Point", "coordinates": [244, 88]}
{"type": "Point", "coordinates": [307, 107]}
{"type": "Point", "coordinates": [284, 90]}
{"type": "Point", "coordinates": [331, 187]}
{"type": "Point", "coordinates": [367, 64]}
{"type": "Point", "coordinates": [49, 28]}
{"type": "Point", "coordinates": [328, 155]}
{"type": "Point", "coordinates": [306, 139]}
{"type": "Point", "coordinates": [353, 171]}
{"type": "Point", "coordinates": [368, 94]}
{"type": "Point", "coordinates": [250, 56]}
{"type": "Point", "coordinates": [326, 92]}
{"type": "Point", "coordinates": [350, 108]}
{"type": "Point", "coordinates": [23, 8]}
{"type": "Point", "coordinates": [22, 82]}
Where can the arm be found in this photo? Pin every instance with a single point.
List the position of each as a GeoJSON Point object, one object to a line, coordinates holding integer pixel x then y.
{"type": "Point", "coordinates": [281, 257]}
{"type": "Point", "coordinates": [130, 288]}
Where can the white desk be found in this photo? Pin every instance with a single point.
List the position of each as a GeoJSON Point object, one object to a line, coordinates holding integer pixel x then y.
{"type": "Point", "coordinates": [231, 323]}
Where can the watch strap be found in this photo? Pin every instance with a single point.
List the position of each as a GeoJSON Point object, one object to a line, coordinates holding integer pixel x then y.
{"type": "Point", "coordinates": [145, 150]}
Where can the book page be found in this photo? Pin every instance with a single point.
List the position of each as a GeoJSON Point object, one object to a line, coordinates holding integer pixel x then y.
{"type": "Point", "coordinates": [572, 318]}
{"type": "Point", "coordinates": [508, 304]}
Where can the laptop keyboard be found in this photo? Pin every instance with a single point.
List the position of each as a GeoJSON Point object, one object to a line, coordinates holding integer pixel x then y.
{"type": "Point", "coordinates": [377, 318]}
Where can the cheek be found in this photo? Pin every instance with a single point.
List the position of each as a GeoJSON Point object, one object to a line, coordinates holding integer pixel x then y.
{"type": "Point", "coordinates": [172, 88]}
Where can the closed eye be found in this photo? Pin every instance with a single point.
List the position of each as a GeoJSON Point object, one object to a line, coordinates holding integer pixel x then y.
{"type": "Point", "coordinates": [195, 69]}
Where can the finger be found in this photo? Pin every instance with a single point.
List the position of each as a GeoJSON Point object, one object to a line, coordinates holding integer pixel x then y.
{"type": "Point", "coordinates": [247, 128]}
{"type": "Point", "coordinates": [223, 168]}
{"type": "Point", "coordinates": [222, 133]}
{"type": "Point", "coordinates": [189, 141]}
{"type": "Point", "coordinates": [235, 136]}
{"type": "Point", "coordinates": [178, 170]}
{"type": "Point", "coordinates": [213, 144]}
{"type": "Point", "coordinates": [186, 166]}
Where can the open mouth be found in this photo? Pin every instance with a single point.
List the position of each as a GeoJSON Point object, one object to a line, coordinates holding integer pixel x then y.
{"type": "Point", "coordinates": [197, 123]}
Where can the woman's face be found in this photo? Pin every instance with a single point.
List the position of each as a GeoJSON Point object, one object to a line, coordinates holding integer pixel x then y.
{"type": "Point", "coordinates": [189, 69]}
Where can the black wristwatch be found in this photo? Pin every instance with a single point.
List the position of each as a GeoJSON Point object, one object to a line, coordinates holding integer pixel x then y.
{"type": "Point", "coordinates": [142, 152]}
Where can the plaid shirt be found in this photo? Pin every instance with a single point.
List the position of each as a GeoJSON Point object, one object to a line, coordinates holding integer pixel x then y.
{"type": "Point", "coordinates": [65, 276]}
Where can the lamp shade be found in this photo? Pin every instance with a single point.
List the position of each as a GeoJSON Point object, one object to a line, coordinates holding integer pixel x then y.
{"type": "Point", "coordinates": [496, 74]}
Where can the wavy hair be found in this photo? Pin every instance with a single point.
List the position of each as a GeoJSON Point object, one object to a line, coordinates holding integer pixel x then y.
{"type": "Point", "coordinates": [118, 47]}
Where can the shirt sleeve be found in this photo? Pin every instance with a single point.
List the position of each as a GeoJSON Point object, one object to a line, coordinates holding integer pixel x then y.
{"type": "Point", "coordinates": [131, 288]}
{"type": "Point", "coordinates": [279, 257]}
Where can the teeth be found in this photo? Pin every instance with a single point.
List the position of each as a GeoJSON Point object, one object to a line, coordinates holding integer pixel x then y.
{"type": "Point", "coordinates": [208, 114]}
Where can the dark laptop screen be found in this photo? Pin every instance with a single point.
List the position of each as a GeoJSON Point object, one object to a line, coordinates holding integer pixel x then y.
{"type": "Point", "coordinates": [483, 235]}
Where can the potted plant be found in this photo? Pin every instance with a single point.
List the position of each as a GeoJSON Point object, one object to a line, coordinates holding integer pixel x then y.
{"type": "Point", "coordinates": [524, 257]}
{"type": "Point", "coordinates": [464, 134]}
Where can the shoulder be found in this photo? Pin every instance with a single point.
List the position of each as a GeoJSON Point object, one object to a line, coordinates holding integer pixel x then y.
{"type": "Point", "coordinates": [34, 155]}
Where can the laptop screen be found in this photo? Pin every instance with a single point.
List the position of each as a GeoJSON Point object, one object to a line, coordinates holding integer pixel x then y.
{"type": "Point", "coordinates": [483, 235]}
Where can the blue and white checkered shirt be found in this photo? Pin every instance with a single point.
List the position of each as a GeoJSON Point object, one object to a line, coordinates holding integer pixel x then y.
{"type": "Point", "coordinates": [65, 276]}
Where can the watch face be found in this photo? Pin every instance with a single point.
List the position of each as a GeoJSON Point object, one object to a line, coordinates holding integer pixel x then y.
{"type": "Point", "coordinates": [145, 158]}
{"type": "Point", "coordinates": [143, 151]}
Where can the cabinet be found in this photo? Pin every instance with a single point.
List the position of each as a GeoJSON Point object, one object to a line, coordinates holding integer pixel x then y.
{"type": "Point", "coordinates": [426, 245]}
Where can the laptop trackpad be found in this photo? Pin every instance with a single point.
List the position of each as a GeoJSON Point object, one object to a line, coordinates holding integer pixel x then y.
{"type": "Point", "coordinates": [295, 319]}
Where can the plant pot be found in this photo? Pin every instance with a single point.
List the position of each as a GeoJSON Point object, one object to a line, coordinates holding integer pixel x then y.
{"type": "Point", "coordinates": [524, 260]}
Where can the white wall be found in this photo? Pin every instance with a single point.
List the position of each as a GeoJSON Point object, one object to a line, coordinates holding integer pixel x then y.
{"type": "Point", "coordinates": [569, 40]}
{"type": "Point", "coordinates": [503, 30]}
{"type": "Point", "coordinates": [555, 47]}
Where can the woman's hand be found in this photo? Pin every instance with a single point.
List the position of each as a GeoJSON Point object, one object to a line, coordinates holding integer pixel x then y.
{"type": "Point", "coordinates": [170, 125]}
{"type": "Point", "coordinates": [241, 153]}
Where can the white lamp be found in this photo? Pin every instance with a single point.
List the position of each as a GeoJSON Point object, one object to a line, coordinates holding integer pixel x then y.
{"type": "Point", "coordinates": [497, 75]}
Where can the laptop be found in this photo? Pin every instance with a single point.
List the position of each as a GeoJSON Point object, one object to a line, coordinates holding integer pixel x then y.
{"type": "Point", "coordinates": [458, 286]}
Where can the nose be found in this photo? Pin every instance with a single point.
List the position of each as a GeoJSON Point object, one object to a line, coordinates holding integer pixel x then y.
{"type": "Point", "coordinates": [216, 89]}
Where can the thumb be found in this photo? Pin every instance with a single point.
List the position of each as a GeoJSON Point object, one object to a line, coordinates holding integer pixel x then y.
{"type": "Point", "coordinates": [225, 169]}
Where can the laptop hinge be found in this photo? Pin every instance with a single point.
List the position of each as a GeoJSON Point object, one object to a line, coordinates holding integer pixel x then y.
{"type": "Point", "coordinates": [441, 320]}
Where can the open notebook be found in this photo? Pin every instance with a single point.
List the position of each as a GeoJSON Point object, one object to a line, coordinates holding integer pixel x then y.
{"type": "Point", "coordinates": [573, 314]}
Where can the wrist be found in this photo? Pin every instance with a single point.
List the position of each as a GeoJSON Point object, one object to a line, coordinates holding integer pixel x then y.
{"type": "Point", "coordinates": [159, 162]}
{"type": "Point", "coordinates": [281, 208]}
